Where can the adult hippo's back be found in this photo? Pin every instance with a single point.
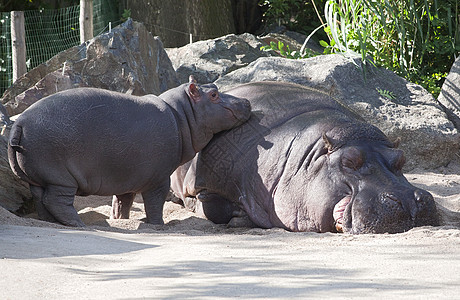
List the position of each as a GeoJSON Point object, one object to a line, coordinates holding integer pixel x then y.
{"type": "Point", "coordinates": [304, 162]}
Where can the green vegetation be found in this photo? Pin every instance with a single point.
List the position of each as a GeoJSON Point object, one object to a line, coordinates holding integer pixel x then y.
{"type": "Point", "coordinates": [417, 39]}
{"type": "Point", "coordinates": [285, 50]}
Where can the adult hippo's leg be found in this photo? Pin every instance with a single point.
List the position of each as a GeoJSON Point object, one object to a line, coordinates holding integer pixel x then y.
{"type": "Point", "coordinates": [121, 205]}
{"type": "Point", "coordinates": [220, 210]}
{"type": "Point", "coordinates": [58, 200]}
{"type": "Point", "coordinates": [154, 201]}
{"type": "Point", "coordinates": [215, 207]}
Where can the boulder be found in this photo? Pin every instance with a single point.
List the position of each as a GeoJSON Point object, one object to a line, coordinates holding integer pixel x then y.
{"type": "Point", "coordinates": [4, 118]}
{"type": "Point", "coordinates": [14, 193]}
{"type": "Point", "coordinates": [210, 59]}
{"type": "Point", "coordinates": [128, 60]}
{"type": "Point", "coordinates": [450, 94]}
{"type": "Point", "coordinates": [399, 108]}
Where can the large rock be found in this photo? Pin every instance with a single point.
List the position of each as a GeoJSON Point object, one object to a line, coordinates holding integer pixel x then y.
{"type": "Point", "coordinates": [399, 108]}
{"type": "Point", "coordinates": [14, 193]}
{"type": "Point", "coordinates": [128, 60]}
{"type": "Point", "coordinates": [450, 94]}
{"type": "Point", "coordinates": [4, 118]}
{"type": "Point", "coordinates": [210, 59]}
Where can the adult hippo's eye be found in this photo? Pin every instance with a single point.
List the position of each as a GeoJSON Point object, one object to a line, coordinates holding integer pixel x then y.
{"type": "Point", "coordinates": [352, 158]}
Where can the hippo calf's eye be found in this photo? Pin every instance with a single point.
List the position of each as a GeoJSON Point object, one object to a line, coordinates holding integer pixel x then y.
{"type": "Point", "coordinates": [214, 96]}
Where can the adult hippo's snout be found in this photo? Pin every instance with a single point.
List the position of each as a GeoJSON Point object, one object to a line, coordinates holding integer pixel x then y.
{"type": "Point", "coordinates": [388, 212]}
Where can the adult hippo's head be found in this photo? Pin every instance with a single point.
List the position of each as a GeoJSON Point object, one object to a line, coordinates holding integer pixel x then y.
{"type": "Point", "coordinates": [369, 193]}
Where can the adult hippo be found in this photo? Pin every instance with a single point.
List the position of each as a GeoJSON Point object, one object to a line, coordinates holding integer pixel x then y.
{"type": "Point", "coordinates": [304, 162]}
{"type": "Point", "coordinates": [90, 141]}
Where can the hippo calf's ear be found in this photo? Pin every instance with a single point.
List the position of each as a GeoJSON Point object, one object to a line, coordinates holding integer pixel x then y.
{"type": "Point", "coordinates": [191, 79]}
{"type": "Point", "coordinates": [194, 92]}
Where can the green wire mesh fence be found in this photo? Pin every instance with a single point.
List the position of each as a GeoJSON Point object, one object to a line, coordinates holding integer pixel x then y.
{"type": "Point", "coordinates": [50, 31]}
{"type": "Point", "coordinates": [6, 69]}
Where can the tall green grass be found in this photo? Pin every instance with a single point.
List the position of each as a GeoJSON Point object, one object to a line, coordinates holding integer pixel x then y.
{"type": "Point", "coordinates": [418, 39]}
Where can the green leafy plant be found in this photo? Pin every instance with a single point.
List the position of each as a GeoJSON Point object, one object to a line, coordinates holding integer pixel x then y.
{"type": "Point", "coordinates": [386, 94]}
{"type": "Point", "coordinates": [285, 50]}
{"type": "Point", "coordinates": [126, 15]}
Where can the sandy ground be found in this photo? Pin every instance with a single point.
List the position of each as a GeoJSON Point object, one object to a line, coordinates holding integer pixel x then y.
{"type": "Point", "coordinates": [192, 258]}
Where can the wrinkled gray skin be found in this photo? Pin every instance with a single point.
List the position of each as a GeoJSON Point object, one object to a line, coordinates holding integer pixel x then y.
{"type": "Point", "coordinates": [303, 162]}
{"type": "Point", "coordinates": [90, 141]}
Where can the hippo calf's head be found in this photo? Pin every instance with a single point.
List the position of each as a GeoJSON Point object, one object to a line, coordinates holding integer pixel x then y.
{"type": "Point", "coordinates": [369, 192]}
{"type": "Point", "coordinates": [221, 110]}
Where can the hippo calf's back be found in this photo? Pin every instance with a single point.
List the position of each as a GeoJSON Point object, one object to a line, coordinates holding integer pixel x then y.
{"type": "Point", "coordinates": [98, 140]}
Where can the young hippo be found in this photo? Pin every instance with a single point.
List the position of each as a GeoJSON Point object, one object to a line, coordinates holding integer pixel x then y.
{"type": "Point", "coordinates": [89, 141]}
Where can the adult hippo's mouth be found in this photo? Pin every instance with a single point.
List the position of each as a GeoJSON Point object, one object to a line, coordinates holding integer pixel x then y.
{"type": "Point", "coordinates": [384, 213]}
{"type": "Point", "coordinates": [339, 211]}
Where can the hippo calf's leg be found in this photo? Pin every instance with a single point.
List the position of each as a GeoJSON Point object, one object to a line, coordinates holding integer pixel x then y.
{"type": "Point", "coordinates": [58, 200]}
{"type": "Point", "coordinates": [154, 201]}
{"type": "Point", "coordinates": [37, 194]}
{"type": "Point", "coordinates": [121, 205]}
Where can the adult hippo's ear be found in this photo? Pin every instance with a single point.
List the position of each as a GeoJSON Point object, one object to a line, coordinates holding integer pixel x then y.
{"type": "Point", "coordinates": [329, 143]}
{"type": "Point", "coordinates": [397, 142]}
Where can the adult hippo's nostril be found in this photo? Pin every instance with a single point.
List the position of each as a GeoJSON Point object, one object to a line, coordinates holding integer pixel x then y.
{"type": "Point", "coordinates": [392, 197]}
{"type": "Point", "coordinates": [405, 204]}
{"type": "Point", "coordinates": [422, 196]}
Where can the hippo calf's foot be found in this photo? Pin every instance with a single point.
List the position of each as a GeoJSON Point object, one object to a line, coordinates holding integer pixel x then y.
{"type": "Point", "coordinates": [56, 203]}
{"type": "Point", "coordinates": [154, 201]}
{"type": "Point", "coordinates": [43, 213]}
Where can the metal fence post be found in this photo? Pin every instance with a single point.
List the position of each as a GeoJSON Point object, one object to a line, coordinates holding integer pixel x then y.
{"type": "Point", "coordinates": [86, 20]}
{"type": "Point", "coordinates": [18, 43]}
